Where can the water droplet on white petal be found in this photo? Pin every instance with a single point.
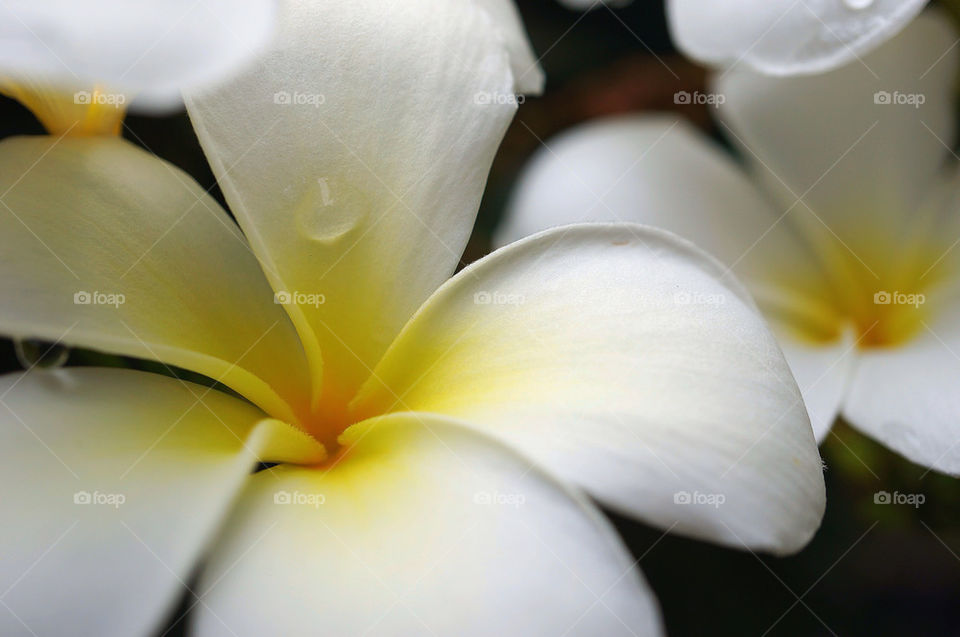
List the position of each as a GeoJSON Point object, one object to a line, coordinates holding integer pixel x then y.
{"type": "Point", "coordinates": [858, 4]}
{"type": "Point", "coordinates": [33, 352]}
{"type": "Point", "coordinates": [320, 218]}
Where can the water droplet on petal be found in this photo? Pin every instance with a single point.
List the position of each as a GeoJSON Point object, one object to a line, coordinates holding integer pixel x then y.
{"type": "Point", "coordinates": [321, 218]}
{"type": "Point", "coordinates": [32, 352]}
{"type": "Point", "coordinates": [858, 4]}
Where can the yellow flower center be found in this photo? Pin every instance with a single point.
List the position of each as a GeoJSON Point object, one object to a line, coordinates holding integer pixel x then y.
{"type": "Point", "coordinates": [82, 113]}
{"type": "Point", "coordinates": [889, 289]}
{"type": "Point", "coordinates": [331, 416]}
{"type": "Point", "coordinates": [887, 317]}
{"type": "Point", "coordinates": [883, 288]}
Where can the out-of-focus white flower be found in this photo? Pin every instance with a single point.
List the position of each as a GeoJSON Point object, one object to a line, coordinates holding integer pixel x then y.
{"type": "Point", "coordinates": [786, 37]}
{"type": "Point", "coordinates": [79, 65]}
{"type": "Point", "coordinates": [149, 48]}
{"type": "Point", "coordinates": [846, 235]}
{"type": "Point", "coordinates": [432, 434]}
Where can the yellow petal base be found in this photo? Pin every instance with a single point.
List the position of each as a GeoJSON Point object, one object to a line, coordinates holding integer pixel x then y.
{"type": "Point", "coordinates": [78, 114]}
{"type": "Point", "coordinates": [886, 302]}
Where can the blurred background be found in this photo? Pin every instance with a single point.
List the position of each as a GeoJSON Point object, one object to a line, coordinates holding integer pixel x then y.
{"type": "Point", "coordinates": [873, 569]}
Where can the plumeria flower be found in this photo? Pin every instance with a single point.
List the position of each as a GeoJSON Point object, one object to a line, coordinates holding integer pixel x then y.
{"type": "Point", "coordinates": [426, 441]}
{"type": "Point", "coordinates": [786, 37]}
{"type": "Point", "coordinates": [845, 229]}
{"type": "Point", "coordinates": [79, 65]}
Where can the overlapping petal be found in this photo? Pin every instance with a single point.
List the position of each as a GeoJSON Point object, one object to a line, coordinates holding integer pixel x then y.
{"type": "Point", "coordinates": [823, 371]}
{"type": "Point", "coordinates": [864, 144]}
{"type": "Point", "coordinates": [104, 246]}
{"type": "Point", "coordinates": [617, 357]}
{"type": "Point", "coordinates": [660, 171]}
{"type": "Point", "coordinates": [527, 74]}
{"type": "Point", "coordinates": [151, 48]}
{"type": "Point", "coordinates": [112, 484]}
{"type": "Point", "coordinates": [423, 527]}
{"type": "Point", "coordinates": [906, 397]}
{"type": "Point", "coordinates": [355, 164]}
{"type": "Point", "coordinates": [786, 37]}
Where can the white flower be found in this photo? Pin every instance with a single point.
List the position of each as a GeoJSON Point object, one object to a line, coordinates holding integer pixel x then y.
{"type": "Point", "coordinates": [150, 49]}
{"type": "Point", "coordinates": [846, 236]}
{"type": "Point", "coordinates": [786, 37]}
{"type": "Point", "coordinates": [78, 66]}
{"type": "Point", "coordinates": [432, 434]}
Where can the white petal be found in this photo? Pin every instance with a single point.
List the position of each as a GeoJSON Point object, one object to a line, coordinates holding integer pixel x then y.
{"type": "Point", "coordinates": [616, 356]}
{"type": "Point", "coordinates": [855, 160]}
{"type": "Point", "coordinates": [906, 397]}
{"type": "Point", "coordinates": [151, 48]}
{"type": "Point", "coordinates": [112, 484]}
{"type": "Point", "coordinates": [354, 156]}
{"type": "Point", "coordinates": [786, 37]}
{"type": "Point", "coordinates": [107, 247]}
{"type": "Point", "coordinates": [422, 527]}
{"type": "Point", "coordinates": [823, 372]}
{"type": "Point", "coordinates": [527, 73]}
{"type": "Point", "coordinates": [660, 171]}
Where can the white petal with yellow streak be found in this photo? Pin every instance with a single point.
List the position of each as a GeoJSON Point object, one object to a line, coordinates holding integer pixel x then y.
{"type": "Point", "coordinates": [423, 527]}
{"type": "Point", "coordinates": [354, 156]}
{"type": "Point", "coordinates": [112, 485]}
{"type": "Point", "coordinates": [107, 247]}
{"type": "Point", "coordinates": [616, 356]}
